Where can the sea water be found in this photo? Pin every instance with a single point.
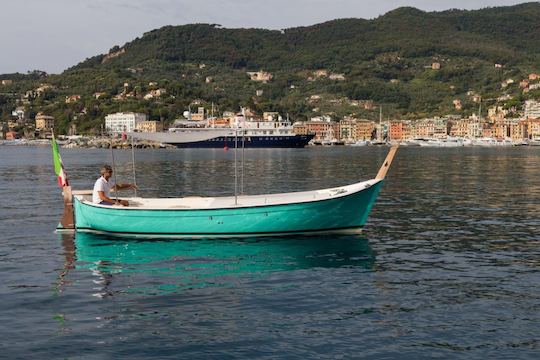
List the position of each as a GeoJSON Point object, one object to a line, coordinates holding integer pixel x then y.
{"type": "Point", "coordinates": [448, 265]}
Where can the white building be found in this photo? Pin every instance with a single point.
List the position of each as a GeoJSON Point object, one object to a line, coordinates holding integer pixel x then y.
{"type": "Point", "coordinates": [123, 122]}
{"type": "Point", "coordinates": [532, 109]}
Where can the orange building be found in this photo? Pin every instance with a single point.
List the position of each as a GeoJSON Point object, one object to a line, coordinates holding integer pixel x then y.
{"type": "Point", "coordinates": [11, 135]}
{"type": "Point", "coordinates": [518, 131]}
{"type": "Point", "coordinates": [300, 128]}
{"type": "Point", "coordinates": [365, 129]}
{"type": "Point", "coordinates": [396, 130]}
{"type": "Point", "coordinates": [323, 129]}
{"type": "Point", "coordinates": [533, 128]}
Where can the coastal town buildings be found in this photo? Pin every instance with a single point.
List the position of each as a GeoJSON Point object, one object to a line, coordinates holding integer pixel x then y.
{"type": "Point", "coordinates": [121, 122]}
{"type": "Point", "coordinates": [532, 109]}
{"type": "Point", "coordinates": [44, 122]}
{"type": "Point", "coordinates": [261, 76]}
{"type": "Point", "coordinates": [347, 129]}
{"type": "Point", "coordinates": [533, 128]}
{"type": "Point", "coordinates": [322, 129]}
{"type": "Point", "coordinates": [149, 126]}
{"type": "Point", "coordinates": [199, 115]}
{"type": "Point", "coordinates": [11, 135]}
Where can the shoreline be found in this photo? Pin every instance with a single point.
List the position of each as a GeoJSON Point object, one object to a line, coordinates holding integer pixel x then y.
{"type": "Point", "coordinates": [119, 144]}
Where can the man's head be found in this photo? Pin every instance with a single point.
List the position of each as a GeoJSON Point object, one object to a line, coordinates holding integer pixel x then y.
{"type": "Point", "coordinates": [106, 171]}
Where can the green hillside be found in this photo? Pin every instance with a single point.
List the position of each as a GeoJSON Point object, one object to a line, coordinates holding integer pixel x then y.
{"type": "Point", "coordinates": [387, 60]}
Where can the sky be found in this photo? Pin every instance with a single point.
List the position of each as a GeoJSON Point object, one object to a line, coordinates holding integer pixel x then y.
{"type": "Point", "coordinates": [52, 35]}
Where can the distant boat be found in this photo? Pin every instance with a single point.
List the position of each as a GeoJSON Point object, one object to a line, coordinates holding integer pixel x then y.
{"type": "Point", "coordinates": [488, 142]}
{"type": "Point", "coordinates": [409, 143]}
{"type": "Point", "coordinates": [360, 143]}
{"type": "Point", "coordinates": [248, 133]}
{"type": "Point", "coordinates": [448, 142]}
{"type": "Point", "coordinates": [341, 209]}
{"type": "Point", "coordinates": [332, 142]}
{"type": "Point", "coordinates": [534, 142]}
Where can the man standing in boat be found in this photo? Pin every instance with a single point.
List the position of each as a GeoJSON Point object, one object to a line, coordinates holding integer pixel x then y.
{"type": "Point", "coordinates": [102, 187]}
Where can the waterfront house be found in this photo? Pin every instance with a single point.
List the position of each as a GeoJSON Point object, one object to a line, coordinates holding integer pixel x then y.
{"type": "Point", "coordinates": [533, 128]}
{"type": "Point", "coordinates": [44, 122]}
{"type": "Point", "coordinates": [518, 130]}
{"type": "Point", "coordinates": [300, 128]}
{"type": "Point", "coordinates": [149, 126]}
{"type": "Point", "coordinates": [11, 135]}
{"type": "Point", "coordinates": [322, 129]}
{"type": "Point", "coordinates": [365, 129]}
{"type": "Point", "coordinates": [532, 109]}
{"type": "Point", "coordinates": [347, 129]}
{"type": "Point", "coordinates": [396, 130]}
{"type": "Point", "coordinates": [120, 122]}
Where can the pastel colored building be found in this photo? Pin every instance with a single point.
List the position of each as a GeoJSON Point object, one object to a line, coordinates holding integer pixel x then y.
{"type": "Point", "coordinates": [44, 122]}
{"type": "Point", "coordinates": [121, 122]}
{"type": "Point", "coordinates": [149, 126]}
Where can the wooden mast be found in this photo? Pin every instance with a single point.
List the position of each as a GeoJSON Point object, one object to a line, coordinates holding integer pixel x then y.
{"type": "Point", "coordinates": [386, 164]}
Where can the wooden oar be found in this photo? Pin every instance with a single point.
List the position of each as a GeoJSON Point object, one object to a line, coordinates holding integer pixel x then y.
{"type": "Point", "coordinates": [386, 165]}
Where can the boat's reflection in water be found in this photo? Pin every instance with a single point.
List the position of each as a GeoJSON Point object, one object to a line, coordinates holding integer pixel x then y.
{"type": "Point", "coordinates": [162, 266]}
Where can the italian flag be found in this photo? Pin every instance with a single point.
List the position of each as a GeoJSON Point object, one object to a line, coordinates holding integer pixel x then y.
{"type": "Point", "coordinates": [58, 166]}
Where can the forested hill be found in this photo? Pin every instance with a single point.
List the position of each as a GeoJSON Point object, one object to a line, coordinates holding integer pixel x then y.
{"type": "Point", "coordinates": [503, 35]}
{"type": "Point", "coordinates": [393, 60]}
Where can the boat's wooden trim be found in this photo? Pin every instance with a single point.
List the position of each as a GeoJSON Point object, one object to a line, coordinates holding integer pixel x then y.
{"type": "Point", "coordinates": [387, 162]}
{"type": "Point", "coordinates": [67, 220]}
{"type": "Point", "coordinates": [82, 192]}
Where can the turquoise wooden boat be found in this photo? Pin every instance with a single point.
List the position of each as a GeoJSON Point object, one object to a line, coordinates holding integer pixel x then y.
{"type": "Point", "coordinates": [336, 210]}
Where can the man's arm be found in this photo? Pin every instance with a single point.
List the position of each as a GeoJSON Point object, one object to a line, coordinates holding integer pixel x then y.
{"type": "Point", "coordinates": [124, 186]}
{"type": "Point", "coordinates": [103, 197]}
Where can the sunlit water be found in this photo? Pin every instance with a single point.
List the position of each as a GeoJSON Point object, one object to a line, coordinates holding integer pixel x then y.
{"type": "Point", "coordinates": [448, 265]}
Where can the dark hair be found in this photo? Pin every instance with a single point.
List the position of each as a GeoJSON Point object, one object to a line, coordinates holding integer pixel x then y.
{"type": "Point", "coordinates": [105, 169]}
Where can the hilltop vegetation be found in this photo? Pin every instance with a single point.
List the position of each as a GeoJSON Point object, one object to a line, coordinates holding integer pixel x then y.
{"type": "Point", "coordinates": [387, 60]}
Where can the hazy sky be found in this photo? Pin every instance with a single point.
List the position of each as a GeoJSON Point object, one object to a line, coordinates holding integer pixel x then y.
{"type": "Point", "coordinates": [52, 35]}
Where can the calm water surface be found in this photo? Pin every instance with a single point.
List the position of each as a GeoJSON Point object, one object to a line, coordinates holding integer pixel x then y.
{"type": "Point", "coordinates": [448, 265]}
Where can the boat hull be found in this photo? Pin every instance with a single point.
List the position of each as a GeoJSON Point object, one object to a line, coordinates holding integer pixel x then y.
{"type": "Point", "coordinates": [345, 214]}
{"type": "Point", "coordinates": [297, 141]}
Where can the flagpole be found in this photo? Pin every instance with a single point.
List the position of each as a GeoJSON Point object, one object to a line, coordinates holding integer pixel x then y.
{"type": "Point", "coordinates": [133, 162]}
{"type": "Point", "coordinates": [235, 166]}
{"type": "Point", "coordinates": [114, 172]}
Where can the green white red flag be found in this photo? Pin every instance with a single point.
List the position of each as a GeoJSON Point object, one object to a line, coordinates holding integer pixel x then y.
{"type": "Point", "coordinates": [58, 166]}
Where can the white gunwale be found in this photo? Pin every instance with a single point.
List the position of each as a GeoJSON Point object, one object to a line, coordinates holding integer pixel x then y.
{"type": "Point", "coordinates": [228, 202]}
